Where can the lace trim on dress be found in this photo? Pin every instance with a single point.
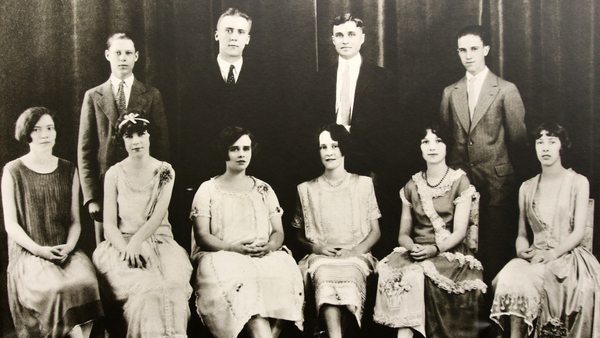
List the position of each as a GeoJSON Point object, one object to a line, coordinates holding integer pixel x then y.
{"type": "Point", "coordinates": [516, 304]}
{"type": "Point", "coordinates": [397, 284]}
{"type": "Point", "coordinates": [463, 259]}
{"type": "Point", "coordinates": [196, 213]}
{"type": "Point", "coordinates": [427, 194]}
{"type": "Point", "coordinates": [449, 285]}
{"type": "Point", "coordinates": [466, 195]}
{"type": "Point", "coordinates": [393, 321]}
{"type": "Point", "coordinates": [404, 199]}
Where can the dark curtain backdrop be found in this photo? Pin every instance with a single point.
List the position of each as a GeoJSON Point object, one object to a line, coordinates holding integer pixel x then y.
{"type": "Point", "coordinates": [52, 51]}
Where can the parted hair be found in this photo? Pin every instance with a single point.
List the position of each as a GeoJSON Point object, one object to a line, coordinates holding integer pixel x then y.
{"type": "Point", "coordinates": [228, 136]}
{"type": "Point", "coordinates": [340, 134]}
{"type": "Point", "coordinates": [118, 36]}
{"type": "Point", "coordinates": [553, 129]}
{"type": "Point", "coordinates": [27, 120]}
{"type": "Point", "coordinates": [345, 18]}
{"type": "Point", "coordinates": [236, 12]}
{"type": "Point", "coordinates": [476, 30]}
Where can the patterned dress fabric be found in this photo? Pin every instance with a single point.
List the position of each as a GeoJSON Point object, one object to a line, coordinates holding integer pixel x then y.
{"type": "Point", "coordinates": [155, 299]}
{"type": "Point", "coordinates": [231, 287]}
{"type": "Point", "coordinates": [340, 216]}
{"type": "Point", "coordinates": [563, 294]}
{"type": "Point", "coordinates": [46, 299]}
{"type": "Point", "coordinates": [437, 297]}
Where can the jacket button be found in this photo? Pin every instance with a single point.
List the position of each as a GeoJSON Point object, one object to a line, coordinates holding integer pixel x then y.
{"type": "Point", "coordinates": [470, 143]}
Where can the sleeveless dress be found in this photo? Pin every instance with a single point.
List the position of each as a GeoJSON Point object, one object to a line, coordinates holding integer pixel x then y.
{"type": "Point", "coordinates": [46, 299]}
{"type": "Point", "coordinates": [231, 287]}
{"type": "Point", "coordinates": [437, 297]}
{"type": "Point", "coordinates": [339, 216]}
{"type": "Point", "coordinates": [563, 294]}
{"type": "Point", "coordinates": [155, 299]}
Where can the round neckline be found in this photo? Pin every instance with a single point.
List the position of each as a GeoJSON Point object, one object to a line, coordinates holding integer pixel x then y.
{"type": "Point", "coordinates": [324, 185]}
{"type": "Point", "coordinates": [37, 172]}
{"type": "Point", "coordinates": [223, 191]}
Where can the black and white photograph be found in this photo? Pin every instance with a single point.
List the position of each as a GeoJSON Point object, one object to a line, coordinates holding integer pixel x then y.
{"type": "Point", "coordinates": [299, 169]}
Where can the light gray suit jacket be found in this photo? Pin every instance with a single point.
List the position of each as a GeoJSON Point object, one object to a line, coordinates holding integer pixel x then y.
{"type": "Point", "coordinates": [96, 151]}
{"type": "Point", "coordinates": [488, 145]}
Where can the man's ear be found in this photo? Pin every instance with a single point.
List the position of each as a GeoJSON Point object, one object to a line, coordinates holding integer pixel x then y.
{"type": "Point", "coordinates": [247, 42]}
{"type": "Point", "coordinates": [216, 36]}
{"type": "Point", "coordinates": [107, 54]}
{"type": "Point", "coordinates": [486, 50]}
{"type": "Point", "coordinates": [137, 55]}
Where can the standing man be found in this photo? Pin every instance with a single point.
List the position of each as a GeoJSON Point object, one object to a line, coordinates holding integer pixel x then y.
{"type": "Point", "coordinates": [486, 115]}
{"type": "Point", "coordinates": [358, 95]}
{"type": "Point", "coordinates": [101, 108]}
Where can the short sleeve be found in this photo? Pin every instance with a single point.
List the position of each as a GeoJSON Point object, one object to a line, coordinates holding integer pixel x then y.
{"type": "Point", "coordinates": [202, 201]}
{"type": "Point", "coordinates": [406, 193]}
{"type": "Point", "coordinates": [373, 210]}
{"type": "Point", "coordinates": [272, 202]}
{"type": "Point", "coordinates": [464, 190]}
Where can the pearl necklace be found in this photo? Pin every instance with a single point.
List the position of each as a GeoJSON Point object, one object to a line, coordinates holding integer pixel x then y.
{"type": "Point", "coordinates": [440, 182]}
{"type": "Point", "coordinates": [337, 184]}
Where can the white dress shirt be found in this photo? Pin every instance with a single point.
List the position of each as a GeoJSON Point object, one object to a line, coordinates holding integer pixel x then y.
{"type": "Point", "coordinates": [115, 81]}
{"type": "Point", "coordinates": [354, 65]}
{"type": "Point", "coordinates": [473, 96]}
{"type": "Point", "coordinates": [224, 67]}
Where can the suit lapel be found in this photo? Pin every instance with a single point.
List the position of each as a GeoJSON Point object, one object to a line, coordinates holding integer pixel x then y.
{"type": "Point", "coordinates": [106, 102]}
{"type": "Point", "coordinates": [365, 76]}
{"type": "Point", "coordinates": [136, 98]}
{"type": "Point", "coordinates": [461, 106]}
{"type": "Point", "coordinates": [488, 94]}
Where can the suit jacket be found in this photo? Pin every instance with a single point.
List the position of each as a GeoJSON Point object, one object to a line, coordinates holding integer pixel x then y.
{"type": "Point", "coordinates": [372, 113]}
{"type": "Point", "coordinates": [488, 145]}
{"type": "Point", "coordinates": [210, 104]}
{"type": "Point", "coordinates": [96, 151]}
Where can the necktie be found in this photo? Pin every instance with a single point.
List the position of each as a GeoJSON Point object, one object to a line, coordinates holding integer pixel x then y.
{"type": "Point", "coordinates": [121, 103]}
{"type": "Point", "coordinates": [471, 96]}
{"type": "Point", "coordinates": [230, 76]}
{"type": "Point", "coordinates": [344, 113]}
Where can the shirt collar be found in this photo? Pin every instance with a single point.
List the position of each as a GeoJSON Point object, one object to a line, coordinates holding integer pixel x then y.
{"type": "Point", "coordinates": [115, 81]}
{"type": "Point", "coordinates": [354, 62]}
{"type": "Point", "coordinates": [479, 76]}
{"type": "Point", "coordinates": [224, 65]}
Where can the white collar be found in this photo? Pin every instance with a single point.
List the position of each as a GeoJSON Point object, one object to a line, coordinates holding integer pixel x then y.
{"type": "Point", "coordinates": [354, 62]}
{"type": "Point", "coordinates": [115, 81]}
{"type": "Point", "coordinates": [224, 65]}
{"type": "Point", "coordinates": [479, 76]}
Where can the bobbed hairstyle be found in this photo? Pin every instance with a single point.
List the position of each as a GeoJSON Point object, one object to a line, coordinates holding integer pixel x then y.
{"type": "Point", "coordinates": [132, 121]}
{"type": "Point", "coordinates": [553, 129]}
{"type": "Point", "coordinates": [228, 136]}
{"type": "Point", "coordinates": [476, 30]}
{"type": "Point", "coordinates": [27, 120]}
{"type": "Point", "coordinates": [236, 12]}
{"type": "Point", "coordinates": [340, 134]}
{"type": "Point", "coordinates": [345, 18]}
{"type": "Point", "coordinates": [118, 36]}
{"type": "Point", "coordinates": [441, 131]}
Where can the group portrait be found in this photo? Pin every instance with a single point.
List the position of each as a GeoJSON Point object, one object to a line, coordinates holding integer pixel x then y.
{"type": "Point", "coordinates": [307, 168]}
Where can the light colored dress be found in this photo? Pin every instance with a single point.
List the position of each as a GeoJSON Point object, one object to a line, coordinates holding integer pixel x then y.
{"type": "Point", "coordinates": [156, 298]}
{"type": "Point", "coordinates": [340, 216]}
{"type": "Point", "coordinates": [231, 287]}
{"type": "Point", "coordinates": [563, 294]}
{"type": "Point", "coordinates": [437, 297]}
{"type": "Point", "coordinates": [47, 299]}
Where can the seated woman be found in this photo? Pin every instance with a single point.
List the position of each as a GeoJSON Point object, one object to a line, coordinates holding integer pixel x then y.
{"type": "Point", "coordinates": [244, 279]}
{"type": "Point", "coordinates": [52, 287]}
{"type": "Point", "coordinates": [140, 264]}
{"type": "Point", "coordinates": [432, 284]}
{"type": "Point", "coordinates": [554, 279]}
{"type": "Point", "coordinates": [337, 219]}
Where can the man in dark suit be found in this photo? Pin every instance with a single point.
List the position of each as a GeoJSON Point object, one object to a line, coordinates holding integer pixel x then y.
{"type": "Point", "coordinates": [358, 95]}
{"type": "Point", "coordinates": [486, 115]}
{"type": "Point", "coordinates": [101, 108]}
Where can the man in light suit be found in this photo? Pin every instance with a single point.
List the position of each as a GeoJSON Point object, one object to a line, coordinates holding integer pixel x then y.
{"type": "Point", "coordinates": [486, 115]}
{"type": "Point", "coordinates": [101, 108]}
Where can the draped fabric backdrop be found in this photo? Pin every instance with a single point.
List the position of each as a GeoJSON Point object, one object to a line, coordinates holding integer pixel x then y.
{"type": "Point", "coordinates": [52, 51]}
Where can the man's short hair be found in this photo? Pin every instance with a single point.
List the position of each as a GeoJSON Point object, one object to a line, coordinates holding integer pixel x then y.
{"type": "Point", "coordinates": [345, 18]}
{"type": "Point", "coordinates": [476, 30]}
{"type": "Point", "coordinates": [118, 36]}
{"type": "Point", "coordinates": [236, 12]}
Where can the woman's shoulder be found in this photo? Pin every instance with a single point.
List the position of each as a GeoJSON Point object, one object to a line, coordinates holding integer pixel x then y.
{"type": "Point", "coordinates": [578, 178]}
{"type": "Point", "coordinates": [13, 165]}
{"type": "Point", "coordinates": [308, 183]}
